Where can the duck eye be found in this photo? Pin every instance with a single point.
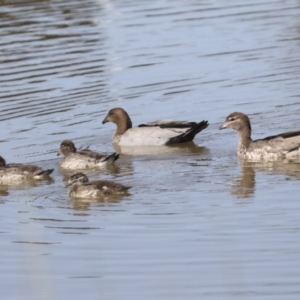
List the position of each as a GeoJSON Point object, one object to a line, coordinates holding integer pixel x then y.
{"type": "Point", "coordinates": [231, 119]}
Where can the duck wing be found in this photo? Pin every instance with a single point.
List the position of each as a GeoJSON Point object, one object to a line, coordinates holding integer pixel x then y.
{"type": "Point", "coordinates": [98, 156]}
{"type": "Point", "coordinates": [109, 184]}
{"type": "Point", "coordinates": [160, 133]}
{"type": "Point", "coordinates": [21, 168]}
{"type": "Point", "coordinates": [29, 170]}
{"type": "Point", "coordinates": [108, 187]}
{"type": "Point", "coordinates": [284, 142]}
{"type": "Point", "coordinates": [169, 124]}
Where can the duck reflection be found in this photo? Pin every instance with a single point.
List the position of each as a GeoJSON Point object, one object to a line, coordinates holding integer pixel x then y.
{"type": "Point", "coordinates": [244, 185]}
{"type": "Point", "coordinates": [5, 188]}
{"type": "Point", "coordinates": [189, 147]}
{"type": "Point", "coordinates": [82, 204]}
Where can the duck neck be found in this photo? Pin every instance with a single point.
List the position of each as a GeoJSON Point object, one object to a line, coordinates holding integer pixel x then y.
{"type": "Point", "coordinates": [123, 126]}
{"type": "Point", "coordinates": [245, 139]}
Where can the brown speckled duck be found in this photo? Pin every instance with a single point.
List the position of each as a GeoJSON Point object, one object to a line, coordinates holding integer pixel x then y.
{"type": "Point", "coordinates": [82, 188]}
{"type": "Point", "coordinates": [83, 159]}
{"type": "Point", "coordinates": [16, 173]}
{"type": "Point", "coordinates": [284, 145]}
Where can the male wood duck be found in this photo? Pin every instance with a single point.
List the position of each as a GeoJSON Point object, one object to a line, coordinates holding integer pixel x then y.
{"type": "Point", "coordinates": [157, 133]}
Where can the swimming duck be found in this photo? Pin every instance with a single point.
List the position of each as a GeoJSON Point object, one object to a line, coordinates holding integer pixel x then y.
{"type": "Point", "coordinates": [82, 188]}
{"type": "Point", "coordinates": [15, 173]}
{"type": "Point", "coordinates": [272, 147]}
{"type": "Point", "coordinates": [157, 133]}
{"type": "Point", "coordinates": [83, 159]}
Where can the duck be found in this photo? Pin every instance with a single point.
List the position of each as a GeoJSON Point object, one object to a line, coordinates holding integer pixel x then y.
{"type": "Point", "coordinates": [81, 187]}
{"type": "Point", "coordinates": [284, 145]}
{"type": "Point", "coordinates": [83, 159]}
{"type": "Point", "coordinates": [15, 173]}
{"type": "Point", "coordinates": [156, 133]}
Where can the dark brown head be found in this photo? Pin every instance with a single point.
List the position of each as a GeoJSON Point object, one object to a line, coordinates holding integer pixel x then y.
{"type": "Point", "coordinates": [2, 162]}
{"type": "Point", "coordinates": [66, 147]}
{"type": "Point", "coordinates": [120, 117]}
{"type": "Point", "coordinates": [237, 121]}
{"type": "Point", "coordinates": [78, 178]}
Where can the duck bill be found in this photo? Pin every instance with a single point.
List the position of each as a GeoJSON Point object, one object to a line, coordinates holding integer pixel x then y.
{"type": "Point", "coordinates": [224, 126]}
{"type": "Point", "coordinates": [106, 120]}
{"type": "Point", "coordinates": [58, 153]}
{"type": "Point", "coordinates": [68, 184]}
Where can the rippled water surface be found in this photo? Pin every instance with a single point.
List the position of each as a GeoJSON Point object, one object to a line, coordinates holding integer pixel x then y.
{"type": "Point", "coordinates": [198, 223]}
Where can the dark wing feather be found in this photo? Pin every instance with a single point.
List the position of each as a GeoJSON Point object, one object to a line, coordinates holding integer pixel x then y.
{"type": "Point", "coordinates": [97, 156]}
{"type": "Point", "coordinates": [34, 170]}
{"type": "Point", "coordinates": [189, 134]}
{"type": "Point", "coordinates": [172, 124]}
{"type": "Point", "coordinates": [115, 187]}
{"type": "Point", "coordinates": [90, 153]}
{"type": "Point", "coordinates": [285, 135]}
{"type": "Point", "coordinates": [43, 172]}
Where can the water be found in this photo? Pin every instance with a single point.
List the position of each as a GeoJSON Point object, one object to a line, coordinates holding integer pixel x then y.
{"type": "Point", "coordinates": [198, 223]}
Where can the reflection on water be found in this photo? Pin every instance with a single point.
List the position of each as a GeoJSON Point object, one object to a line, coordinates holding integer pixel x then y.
{"type": "Point", "coordinates": [244, 185]}
{"type": "Point", "coordinates": [3, 190]}
{"type": "Point", "coordinates": [64, 64]}
{"type": "Point", "coordinates": [26, 184]}
{"type": "Point", "coordinates": [288, 168]}
{"type": "Point", "coordinates": [179, 149]}
{"type": "Point", "coordinates": [108, 169]}
{"type": "Point", "coordinates": [85, 204]}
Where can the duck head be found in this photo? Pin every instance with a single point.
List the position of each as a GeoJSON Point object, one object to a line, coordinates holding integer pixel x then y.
{"type": "Point", "coordinates": [237, 121]}
{"type": "Point", "coordinates": [66, 147]}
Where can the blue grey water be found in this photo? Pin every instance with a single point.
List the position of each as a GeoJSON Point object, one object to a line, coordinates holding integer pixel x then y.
{"type": "Point", "coordinates": [198, 223]}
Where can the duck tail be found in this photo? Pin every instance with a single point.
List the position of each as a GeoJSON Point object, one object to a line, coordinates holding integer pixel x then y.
{"type": "Point", "coordinates": [112, 157]}
{"type": "Point", "coordinates": [124, 189]}
{"type": "Point", "coordinates": [41, 173]}
{"type": "Point", "coordinates": [189, 134]}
